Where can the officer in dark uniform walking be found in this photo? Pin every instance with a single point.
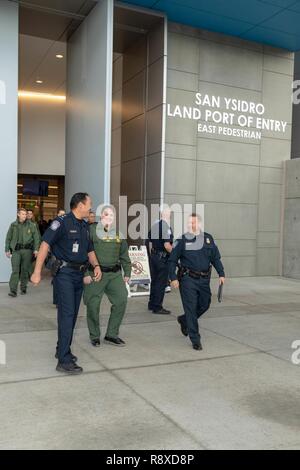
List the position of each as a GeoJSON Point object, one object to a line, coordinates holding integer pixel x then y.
{"type": "Point", "coordinates": [70, 244]}
{"type": "Point", "coordinates": [159, 244]}
{"type": "Point", "coordinates": [60, 215]}
{"type": "Point", "coordinates": [196, 252]}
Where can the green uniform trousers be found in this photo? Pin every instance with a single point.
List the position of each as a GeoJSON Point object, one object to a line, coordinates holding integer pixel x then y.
{"type": "Point", "coordinates": [21, 269]}
{"type": "Point", "coordinates": [113, 285]}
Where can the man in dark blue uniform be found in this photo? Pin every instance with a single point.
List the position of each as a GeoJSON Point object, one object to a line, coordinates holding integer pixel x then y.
{"type": "Point", "coordinates": [61, 214]}
{"type": "Point", "coordinates": [69, 241]}
{"type": "Point", "coordinates": [159, 243]}
{"type": "Point", "coordinates": [195, 252]}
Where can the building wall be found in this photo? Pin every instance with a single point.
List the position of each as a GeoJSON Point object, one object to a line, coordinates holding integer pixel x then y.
{"type": "Point", "coordinates": [137, 120]}
{"type": "Point", "coordinates": [296, 112]}
{"type": "Point", "coordinates": [8, 124]}
{"type": "Point", "coordinates": [89, 90]}
{"type": "Point", "coordinates": [42, 133]}
{"type": "Point", "coordinates": [291, 233]}
{"type": "Point", "coordinates": [239, 181]}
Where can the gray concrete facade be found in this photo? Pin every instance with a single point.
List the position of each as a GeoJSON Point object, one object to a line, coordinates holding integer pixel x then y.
{"type": "Point", "coordinates": [138, 118]}
{"type": "Point", "coordinates": [296, 111]}
{"type": "Point", "coordinates": [9, 24]}
{"type": "Point", "coordinates": [291, 234]}
{"type": "Point", "coordinates": [239, 181]}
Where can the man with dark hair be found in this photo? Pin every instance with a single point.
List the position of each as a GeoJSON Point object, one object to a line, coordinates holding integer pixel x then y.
{"type": "Point", "coordinates": [22, 240]}
{"type": "Point", "coordinates": [69, 241]}
{"type": "Point", "coordinates": [196, 252]}
{"type": "Point", "coordinates": [31, 217]}
{"type": "Point", "coordinates": [159, 244]}
{"type": "Point", "coordinates": [92, 218]}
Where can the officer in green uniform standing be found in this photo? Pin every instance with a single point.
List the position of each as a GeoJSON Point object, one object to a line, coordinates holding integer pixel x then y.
{"type": "Point", "coordinates": [112, 253]}
{"type": "Point", "coordinates": [22, 240]}
{"type": "Point", "coordinates": [30, 216]}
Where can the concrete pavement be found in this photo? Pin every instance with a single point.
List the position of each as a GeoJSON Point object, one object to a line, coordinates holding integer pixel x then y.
{"type": "Point", "coordinates": [241, 392]}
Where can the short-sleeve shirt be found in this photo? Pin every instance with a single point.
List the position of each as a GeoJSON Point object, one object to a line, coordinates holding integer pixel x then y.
{"type": "Point", "coordinates": [160, 234]}
{"type": "Point", "coordinates": [69, 239]}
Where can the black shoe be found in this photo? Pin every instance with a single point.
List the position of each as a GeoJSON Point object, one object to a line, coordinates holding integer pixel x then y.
{"type": "Point", "coordinates": [114, 341]}
{"type": "Point", "coordinates": [197, 346]}
{"type": "Point", "coordinates": [73, 358]}
{"type": "Point", "coordinates": [12, 294]}
{"type": "Point", "coordinates": [23, 291]}
{"type": "Point", "coordinates": [183, 327]}
{"type": "Point", "coordinates": [95, 342]}
{"type": "Point", "coordinates": [70, 368]}
{"type": "Point", "coordinates": [162, 311]}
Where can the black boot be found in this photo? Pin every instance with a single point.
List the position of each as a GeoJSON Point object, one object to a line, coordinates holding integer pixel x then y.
{"type": "Point", "coordinates": [69, 368]}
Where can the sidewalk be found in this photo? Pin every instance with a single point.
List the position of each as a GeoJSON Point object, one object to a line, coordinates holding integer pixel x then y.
{"type": "Point", "coordinates": [241, 391]}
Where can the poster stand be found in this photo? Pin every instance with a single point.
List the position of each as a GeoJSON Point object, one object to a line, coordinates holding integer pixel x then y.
{"type": "Point", "coordinates": [140, 280]}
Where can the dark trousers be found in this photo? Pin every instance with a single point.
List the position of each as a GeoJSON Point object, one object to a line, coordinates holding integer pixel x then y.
{"type": "Point", "coordinates": [159, 281]}
{"type": "Point", "coordinates": [196, 298]}
{"type": "Point", "coordinates": [68, 285]}
{"type": "Point", "coordinates": [55, 300]}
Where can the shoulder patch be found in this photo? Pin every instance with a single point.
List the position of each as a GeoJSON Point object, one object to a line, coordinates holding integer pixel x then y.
{"type": "Point", "coordinates": [55, 225]}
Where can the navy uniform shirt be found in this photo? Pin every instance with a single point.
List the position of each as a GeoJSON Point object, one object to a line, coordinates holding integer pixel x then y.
{"type": "Point", "coordinates": [69, 239]}
{"type": "Point", "coordinates": [160, 234]}
{"type": "Point", "coordinates": [204, 254]}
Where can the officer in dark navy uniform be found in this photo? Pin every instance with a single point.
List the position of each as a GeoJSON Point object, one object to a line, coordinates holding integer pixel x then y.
{"type": "Point", "coordinates": [195, 252]}
{"type": "Point", "coordinates": [60, 215]}
{"type": "Point", "coordinates": [159, 243]}
{"type": "Point", "coordinates": [69, 241]}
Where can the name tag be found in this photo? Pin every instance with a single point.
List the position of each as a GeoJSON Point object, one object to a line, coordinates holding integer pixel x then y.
{"type": "Point", "coordinates": [75, 247]}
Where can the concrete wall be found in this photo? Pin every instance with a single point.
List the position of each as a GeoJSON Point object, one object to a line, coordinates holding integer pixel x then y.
{"type": "Point", "coordinates": [296, 113]}
{"type": "Point", "coordinates": [42, 131]}
{"type": "Point", "coordinates": [291, 233]}
{"type": "Point", "coordinates": [89, 89]}
{"type": "Point", "coordinates": [8, 124]}
{"type": "Point", "coordinates": [137, 120]}
{"type": "Point", "coordinates": [239, 181]}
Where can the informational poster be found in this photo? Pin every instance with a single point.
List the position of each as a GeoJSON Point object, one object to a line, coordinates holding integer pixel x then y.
{"type": "Point", "coordinates": [140, 271]}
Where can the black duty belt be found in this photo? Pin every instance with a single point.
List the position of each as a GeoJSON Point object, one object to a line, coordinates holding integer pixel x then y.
{"type": "Point", "coordinates": [194, 274]}
{"type": "Point", "coordinates": [76, 266]}
{"type": "Point", "coordinates": [110, 269]}
{"type": "Point", "coordinates": [21, 246]}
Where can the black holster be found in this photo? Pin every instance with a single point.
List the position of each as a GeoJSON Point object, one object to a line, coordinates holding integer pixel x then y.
{"type": "Point", "coordinates": [193, 274]}
{"type": "Point", "coordinates": [53, 264]}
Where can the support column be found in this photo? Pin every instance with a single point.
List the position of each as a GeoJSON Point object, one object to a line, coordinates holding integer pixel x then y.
{"type": "Point", "coordinates": [89, 97]}
{"type": "Point", "coordinates": [9, 31]}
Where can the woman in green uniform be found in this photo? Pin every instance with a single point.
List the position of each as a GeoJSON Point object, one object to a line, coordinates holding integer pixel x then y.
{"type": "Point", "coordinates": [112, 253]}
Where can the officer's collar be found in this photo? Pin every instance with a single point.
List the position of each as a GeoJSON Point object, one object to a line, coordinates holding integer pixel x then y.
{"type": "Point", "coordinates": [78, 221]}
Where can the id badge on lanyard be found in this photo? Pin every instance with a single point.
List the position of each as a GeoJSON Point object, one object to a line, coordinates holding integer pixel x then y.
{"type": "Point", "coordinates": [75, 247]}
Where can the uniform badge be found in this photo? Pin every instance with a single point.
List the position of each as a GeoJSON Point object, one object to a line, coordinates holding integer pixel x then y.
{"type": "Point", "coordinates": [208, 241]}
{"type": "Point", "coordinates": [29, 230]}
{"type": "Point", "coordinates": [55, 224]}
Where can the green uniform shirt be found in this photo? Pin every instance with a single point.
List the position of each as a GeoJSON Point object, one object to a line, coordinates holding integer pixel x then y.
{"type": "Point", "coordinates": [24, 234]}
{"type": "Point", "coordinates": [110, 249]}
